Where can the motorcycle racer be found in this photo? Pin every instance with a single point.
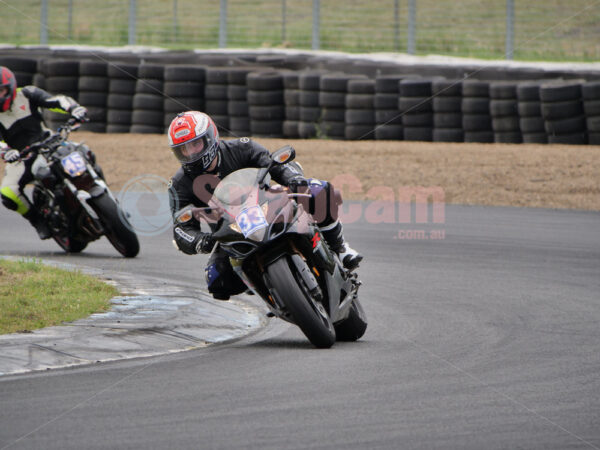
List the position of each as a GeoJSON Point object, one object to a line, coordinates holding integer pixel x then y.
{"type": "Point", "coordinates": [21, 124]}
{"type": "Point", "coordinates": [205, 159]}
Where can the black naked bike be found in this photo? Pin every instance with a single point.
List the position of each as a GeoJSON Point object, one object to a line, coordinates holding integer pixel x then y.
{"type": "Point", "coordinates": [276, 248]}
{"type": "Point", "coordinates": [73, 198]}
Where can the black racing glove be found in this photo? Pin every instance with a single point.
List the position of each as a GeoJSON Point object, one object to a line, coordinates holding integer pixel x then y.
{"type": "Point", "coordinates": [194, 242]}
{"type": "Point", "coordinates": [297, 182]}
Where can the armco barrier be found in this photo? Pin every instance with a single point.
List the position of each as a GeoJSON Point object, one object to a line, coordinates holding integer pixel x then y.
{"type": "Point", "coordinates": [309, 96]}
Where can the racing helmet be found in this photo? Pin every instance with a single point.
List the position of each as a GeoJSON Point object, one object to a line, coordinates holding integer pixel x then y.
{"type": "Point", "coordinates": [7, 80]}
{"type": "Point", "coordinates": [194, 140]}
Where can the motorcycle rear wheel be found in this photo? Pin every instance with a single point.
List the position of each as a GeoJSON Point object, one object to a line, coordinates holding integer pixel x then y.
{"type": "Point", "coordinates": [118, 230]}
{"type": "Point", "coordinates": [308, 314]}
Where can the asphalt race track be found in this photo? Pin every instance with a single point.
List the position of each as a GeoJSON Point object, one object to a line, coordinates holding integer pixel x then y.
{"type": "Point", "coordinates": [483, 334]}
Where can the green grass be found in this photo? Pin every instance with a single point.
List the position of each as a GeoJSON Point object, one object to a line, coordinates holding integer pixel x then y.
{"type": "Point", "coordinates": [553, 30]}
{"type": "Point", "coordinates": [33, 295]}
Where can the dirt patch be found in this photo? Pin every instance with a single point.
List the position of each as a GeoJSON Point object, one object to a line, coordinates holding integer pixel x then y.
{"type": "Point", "coordinates": [550, 176]}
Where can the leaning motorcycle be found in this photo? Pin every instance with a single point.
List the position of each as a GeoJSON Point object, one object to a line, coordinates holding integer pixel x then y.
{"type": "Point", "coordinates": [276, 248]}
{"type": "Point", "coordinates": [73, 198]}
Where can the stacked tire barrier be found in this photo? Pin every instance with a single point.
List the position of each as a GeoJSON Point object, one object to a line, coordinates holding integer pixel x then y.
{"type": "Point", "coordinates": [266, 103]}
{"type": "Point", "coordinates": [475, 106]}
{"type": "Point", "coordinates": [24, 69]}
{"type": "Point", "coordinates": [360, 110]}
{"type": "Point", "coordinates": [301, 97]}
{"type": "Point", "coordinates": [332, 102]}
{"type": "Point", "coordinates": [215, 97]}
{"type": "Point", "coordinates": [121, 90]}
{"type": "Point", "coordinates": [529, 107]}
{"type": "Point", "coordinates": [504, 109]}
{"type": "Point", "coordinates": [291, 100]}
{"type": "Point", "coordinates": [415, 105]}
{"type": "Point", "coordinates": [388, 118]}
{"type": "Point", "coordinates": [93, 93]}
{"type": "Point", "coordinates": [447, 111]}
{"type": "Point", "coordinates": [60, 77]}
{"type": "Point", "coordinates": [309, 83]}
{"type": "Point", "coordinates": [237, 101]}
{"type": "Point", "coordinates": [591, 106]}
{"type": "Point", "coordinates": [562, 109]}
{"type": "Point", "coordinates": [148, 102]}
{"type": "Point", "coordinates": [183, 90]}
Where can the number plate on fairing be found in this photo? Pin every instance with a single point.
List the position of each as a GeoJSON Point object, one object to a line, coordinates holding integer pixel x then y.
{"type": "Point", "coordinates": [251, 220]}
{"type": "Point", "coordinates": [74, 164]}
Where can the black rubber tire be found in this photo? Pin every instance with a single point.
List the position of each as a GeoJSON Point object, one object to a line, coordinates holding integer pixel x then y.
{"type": "Point", "coordinates": [415, 88]}
{"type": "Point", "coordinates": [240, 108]}
{"type": "Point", "coordinates": [503, 90]}
{"type": "Point", "coordinates": [502, 124]}
{"type": "Point", "coordinates": [291, 80]}
{"type": "Point", "coordinates": [16, 64]}
{"type": "Point", "coordinates": [214, 91]}
{"type": "Point", "coordinates": [476, 122]}
{"type": "Point", "coordinates": [61, 68]}
{"type": "Point", "coordinates": [448, 135]}
{"type": "Point", "coordinates": [530, 109]}
{"type": "Point", "coordinates": [564, 92]}
{"type": "Point", "coordinates": [535, 138]}
{"type": "Point", "coordinates": [59, 85]}
{"type": "Point", "coordinates": [292, 113]}
{"type": "Point", "coordinates": [414, 105]}
{"type": "Point", "coordinates": [389, 132]}
{"type": "Point", "coordinates": [475, 105]}
{"type": "Point", "coordinates": [148, 101]}
{"type": "Point", "coordinates": [216, 107]}
{"type": "Point", "coordinates": [388, 117]}
{"type": "Point", "coordinates": [148, 117]}
{"type": "Point", "coordinates": [147, 129]}
{"type": "Point", "coordinates": [184, 89]}
{"type": "Point", "coordinates": [119, 101]}
{"type": "Point", "coordinates": [504, 108]}
{"type": "Point", "coordinates": [528, 92]}
{"type": "Point", "coordinates": [192, 73]}
{"type": "Point", "coordinates": [120, 86]}
{"type": "Point", "coordinates": [594, 138]}
{"type": "Point", "coordinates": [265, 97]}
{"type": "Point", "coordinates": [117, 128]}
{"type": "Point", "coordinates": [591, 90]}
{"type": "Point", "coordinates": [332, 129]}
{"type": "Point", "coordinates": [475, 88]}
{"type": "Point", "coordinates": [418, 134]}
{"type": "Point", "coordinates": [118, 229]}
{"type": "Point", "coordinates": [87, 98]}
{"type": "Point", "coordinates": [418, 120]}
{"type": "Point", "coordinates": [274, 112]}
{"type": "Point", "coordinates": [508, 137]}
{"type": "Point", "coordinates": [361, 86]}
{"type": "Point", "coordinates": [360, 116]}
{"type": "Point", "coordinates": [266, 128]}
{"type": "Point", "coordinates": [123, 71]}
{"type": "Point", "coordinates": [447, 120]}
{"type": "Point", "coordinates": [532, 124]}
{"type": "Point", "coordinates": [291, 97]}
{"type": "Point", "coordinates": [359, 132]}
{"type": "Point", "coordinates": [290, 129]}
{"type": "Point", "coordinates": [447, 104]}
{"type": "Point", "coordinates": [237, 92]}
{"type": "Point", "coordinates": [359, 101]}
{"type": "Point", "coordinates": [591, 107]}
{"type": "Point", "coordinates": [385, 101]}
{"type": "Point", "coordinates": [354, 327]}
{"type": "Point", "coordinates": [561, 110]}
{"type": "Point", "coordinates": [333, 114]}
{"type": "Point", "coordinates": [93, 84]}
{"type": "Point", "coordinates": [565, 126]}
{"type": "Point", "coordinates": [149, 86]}
{"type": "Point", "coordinates": [179, 104]}
{"type": "Point", "coordinates": [307, 130]}
{"type": "Point", "coordinates": [446, 88]}
{"type": "Point", "coordinates": [331, 99]}
{"type": "Point", "coordinates": [479, 136]}
{"type": "Point", "coordinates": [568, 139]}
{"type": "Point", "coordinates": [265, 81]}
{"type": "Point", "coordinates": [388, 84]}
{"type": "Point", "coordinates": [151, 71]}
{"type": "Point", "coordinates": [92, 68]}
{"type": "Point", "coordinates": [336, 82]}
{"type": "Point", "coordinates": [312, 320]}
{"type": "Point", "coordinates": [593, 124]}
{"type": "Point", "coordinates": [308, 98]}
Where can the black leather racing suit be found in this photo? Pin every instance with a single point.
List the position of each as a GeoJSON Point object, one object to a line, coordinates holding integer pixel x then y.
{"type": "Point", "coordinates": [196, 189]}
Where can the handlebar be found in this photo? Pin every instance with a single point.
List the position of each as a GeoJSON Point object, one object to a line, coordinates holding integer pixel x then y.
{"type": "Point", "coordinates": [61, 135]}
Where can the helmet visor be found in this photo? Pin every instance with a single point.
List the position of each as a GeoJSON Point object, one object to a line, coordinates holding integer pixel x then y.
{"type": "Point", "coordinates": [198, 151]}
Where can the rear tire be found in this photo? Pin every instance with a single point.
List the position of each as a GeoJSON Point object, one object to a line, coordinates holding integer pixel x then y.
{"type": "Point", "coordinates": [309, 315]}
{"type": "Point", "coordinates": [353, 327]}
{"type": "Point", "coordinates": [118, 230]}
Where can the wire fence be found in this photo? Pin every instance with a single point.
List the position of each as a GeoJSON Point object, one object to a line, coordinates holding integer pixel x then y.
{"type": "Point", "coordinates": [536, 29]}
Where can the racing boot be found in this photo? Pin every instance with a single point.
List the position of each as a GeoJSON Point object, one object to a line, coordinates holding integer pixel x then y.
{"type": "Point", "coordinates": [334, 236]}
{"type": "Point", "coordinates": [38, 223]}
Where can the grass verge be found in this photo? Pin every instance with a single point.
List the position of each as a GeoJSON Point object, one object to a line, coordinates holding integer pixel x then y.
{"type": "Point", "coordinates": [33, 295]}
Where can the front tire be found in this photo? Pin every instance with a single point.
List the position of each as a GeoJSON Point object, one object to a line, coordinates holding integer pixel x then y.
{"type": "Point", "coordinates": [118, 230]}
{"type": "Point", "coordinates": [308, 314]}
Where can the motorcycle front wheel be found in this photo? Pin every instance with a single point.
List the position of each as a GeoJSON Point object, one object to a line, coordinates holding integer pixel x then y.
{"type": "Point", "coordinates": [118, 230]}
{"type": "Point", "coordinates": [308, 314]}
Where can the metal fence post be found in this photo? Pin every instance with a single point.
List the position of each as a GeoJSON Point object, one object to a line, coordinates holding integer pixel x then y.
{"type": "Point", "coordinates": [132, 22]}
{"type": "Point", "coordinates": [223, 24]}
{"type": "Point", "coordinates": [44, 23]}
{"type": "Point", "coordinates": [283, 19]}
{"type": "Point", "coordinates": [412, 27]}
{"type": "Point", "coordinates": [316, 41]}
{"type": "Point", "coordinates": [510, 29]}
